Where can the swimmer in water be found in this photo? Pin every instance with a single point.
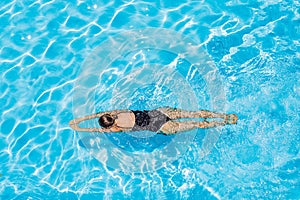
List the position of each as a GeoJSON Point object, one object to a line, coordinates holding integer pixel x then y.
{"type": "Point", "coordinates": [161, 120]}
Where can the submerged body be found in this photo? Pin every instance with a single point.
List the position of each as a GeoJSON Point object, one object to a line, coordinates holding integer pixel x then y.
{"type": "Point", "coordinates": [161, 120]}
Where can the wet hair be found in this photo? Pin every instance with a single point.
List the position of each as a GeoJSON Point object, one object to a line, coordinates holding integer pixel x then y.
{"type": "Point", "coordinates": [106, 121]}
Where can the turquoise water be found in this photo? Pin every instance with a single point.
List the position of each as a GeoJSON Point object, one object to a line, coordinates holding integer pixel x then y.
{"type": "Point", "coordinates": [60, 60]}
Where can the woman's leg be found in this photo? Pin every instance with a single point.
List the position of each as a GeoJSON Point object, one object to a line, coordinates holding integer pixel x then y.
{"type": "Point", "coordinates": [231, 119]}
{"type": "Point", "coordinates": [174, 113]}
{"type": "Point", "coordinates": [172, 127]}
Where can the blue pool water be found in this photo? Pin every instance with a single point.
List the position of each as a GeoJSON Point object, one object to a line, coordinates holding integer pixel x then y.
{"type": "Point", "coordinates": [64, 59]}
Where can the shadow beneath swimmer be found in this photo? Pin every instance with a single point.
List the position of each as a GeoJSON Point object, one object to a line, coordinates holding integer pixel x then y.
{"type": "Point", "coordinates": [125, 142]}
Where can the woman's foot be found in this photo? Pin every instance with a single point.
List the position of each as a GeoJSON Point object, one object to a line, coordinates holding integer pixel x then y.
{"type": "Point", "coordinates": [231, 119]}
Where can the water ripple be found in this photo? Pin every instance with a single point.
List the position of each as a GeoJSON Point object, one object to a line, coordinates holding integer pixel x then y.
{"type": "Point", "coordinates": [255, 47]}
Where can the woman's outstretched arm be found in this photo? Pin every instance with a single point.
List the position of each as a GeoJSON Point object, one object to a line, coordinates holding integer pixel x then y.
{"type": "Point", "coordinates": [74, 123]}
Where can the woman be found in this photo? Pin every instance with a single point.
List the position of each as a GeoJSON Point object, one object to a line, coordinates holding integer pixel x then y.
{"type": "Point", "coordinates": [162, 120]}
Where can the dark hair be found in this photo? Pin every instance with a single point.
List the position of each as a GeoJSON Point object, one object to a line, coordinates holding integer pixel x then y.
{"type": "Point", "coordinates": [106, 121]}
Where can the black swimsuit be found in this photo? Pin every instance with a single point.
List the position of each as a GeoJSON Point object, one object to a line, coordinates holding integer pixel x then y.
{"type": "Point", "coordinates": [149, 120]}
